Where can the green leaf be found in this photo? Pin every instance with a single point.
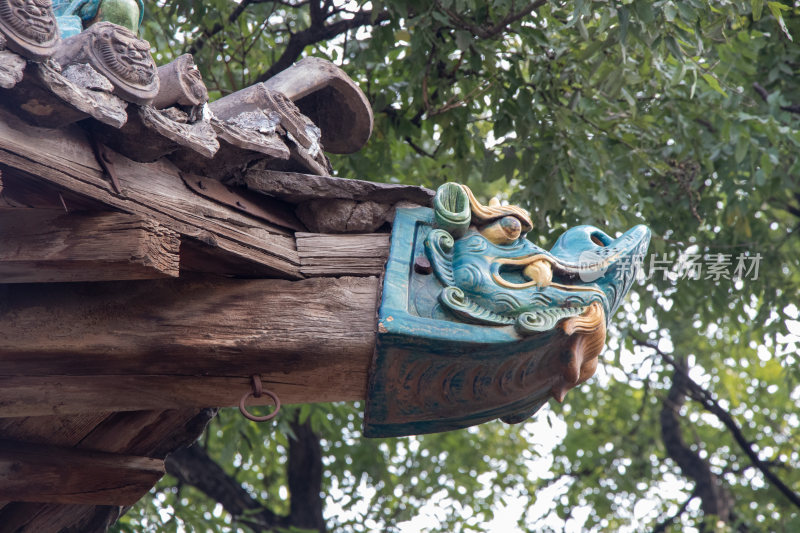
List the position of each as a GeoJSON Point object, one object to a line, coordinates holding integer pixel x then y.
{"type": "Point", "coordinates": [674, 48]}
{"type": "Point", "coordinates": [644, 10]}
{"type": "Point", "coordinates": [463, 40]}
{"type": "Point", "coordinates": [756, 6]}
{"type": "Point", "coordinates": [742, 146]}
{"type": "Point", "coordinates": [714, 83]}
{"type": "Point", "coordinates": [582, 29]}
{"type": "Point", "coordinates": [624, 16]}
{"type": "Point", "coordinates": [776, 9]}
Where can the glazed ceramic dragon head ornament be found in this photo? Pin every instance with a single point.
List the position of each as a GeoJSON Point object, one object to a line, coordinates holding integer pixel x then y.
{"type": "Point", "coordinates": [496, 325]}
{"type": "Point", "coordinates": [493, 275]}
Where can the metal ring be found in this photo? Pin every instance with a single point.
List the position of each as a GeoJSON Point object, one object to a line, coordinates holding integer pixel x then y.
{"type": "Point", "coordinates": [255, 380]}
{"type": "Point", "coordinates": [256, 392]}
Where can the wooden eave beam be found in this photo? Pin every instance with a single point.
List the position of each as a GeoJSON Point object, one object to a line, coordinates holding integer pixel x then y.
{"type": "Point", "coordinates": [67, 348]}
{"type": "Point", "coordinates": [140, 433]}
{"type": "Point", "coordinates": [65, 160]}
{"type": "Point", "coordinates": [38, 245]}
{"type": "Point", "coordinates": [41, 473]}
{"type": "Point", "coordinates": [299, 188]}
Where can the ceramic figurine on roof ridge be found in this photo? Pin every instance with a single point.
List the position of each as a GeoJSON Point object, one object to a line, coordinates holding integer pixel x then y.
{"type": "Point", "coordinates": [496, 325]}
{"type": "Point", "coordinates": [76, 15]}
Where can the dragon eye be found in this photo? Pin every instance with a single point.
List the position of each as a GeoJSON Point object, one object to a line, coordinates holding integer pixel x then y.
{"type": "Point", "coordinates": [503, 231]}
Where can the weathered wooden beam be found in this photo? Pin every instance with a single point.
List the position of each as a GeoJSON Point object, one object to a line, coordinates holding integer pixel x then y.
{"type": "Point", "coordinates": [335, 205]}
{"type": "Point", "coordinates": [342, 255]}
{"type": "Point", "coordinates": [53, 430]}
{"type": "Point", "coordinates": [153, 190]}
{"type": "Point", "coordinates": [40, 473]}
{"type": "Point", "coordinates": [147, 433]}
{"type": "Point", "coordinates": [143, 433]}
{"type": "Point", "coordinates": [68, 348]}
{"type": "Point", "coordinates": [257, 205]}
{"type": "Point", "coordinates": [19, 190]}
{"type": "Point", "coordinates": [64, 395]}
{"type": "Point", "coordinates": [31, 517]}
{"type": "Point", "coordinates": [299, 188]}
{"type": "Point", "coordinates": [49, 246]}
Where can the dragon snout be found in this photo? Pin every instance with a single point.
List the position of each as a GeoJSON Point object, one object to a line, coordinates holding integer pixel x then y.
{"type": "Point", "coordinates": [610, 264]}
{"type": "Point", "coordinates": [579, 243]}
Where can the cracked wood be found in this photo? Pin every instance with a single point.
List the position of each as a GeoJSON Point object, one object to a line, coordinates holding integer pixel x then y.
{"type": "Point", "coordinates": [50, 245]}
{"type": "Point", "coordinates": [148, 433]}
{"type": "Point", "coordinates": [342, 255]}
{"type": "Point", "coordinates": [151, 190]}
{"type": "Point", "coordinates": [41, 473]}
{"type": "Point", "coordinates": [160, 344]}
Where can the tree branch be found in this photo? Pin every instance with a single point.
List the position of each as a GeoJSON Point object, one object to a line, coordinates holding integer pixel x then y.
{"type": "Point", "coordinates": [219, 26]}
{"type": "Point", "coordinates": [764, 94]}
{"type": "Point", "coordinates": [305, 479]}
{"type": "Point", "coordinates": [715, 499]}
{"type": "Point", "coordinates": [317, 33]}
{"type": "Point", "coordinates": [318, 14]}
{"type": "Point", "coordinates": [710, 404]}
{"type": "Point", "coordinates": [492, 31]}
{"type": "Point", "coordinates": [792, 210]}
{"type": "Point", "coordinates": [662, 526]}
{"type": "Point", "coordinates": [193, 466]}
{"type": "Point", "coordinates": [454, 102]}
{"type": "Point", "coordinates": [420, 150]}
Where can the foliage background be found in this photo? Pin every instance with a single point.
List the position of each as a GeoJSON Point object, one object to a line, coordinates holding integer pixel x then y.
{"type": "Point", "coordinates": [682, 115]}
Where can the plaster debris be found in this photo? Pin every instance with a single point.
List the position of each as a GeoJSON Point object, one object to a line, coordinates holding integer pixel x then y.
{"type": "Point", "coordinates": [83, 75]}
{"type": "Point", "coordinates": [257, 120]}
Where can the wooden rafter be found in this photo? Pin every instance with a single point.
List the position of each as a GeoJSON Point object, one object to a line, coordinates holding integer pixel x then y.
{"type": "Point", "coordinates": [145, 433]}
{"type": "Point", "coordinates": [154, 191]}
{"type": "Point", "coordinates": [41, 473]}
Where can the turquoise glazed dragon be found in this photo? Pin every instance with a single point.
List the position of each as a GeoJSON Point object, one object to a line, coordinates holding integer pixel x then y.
{"type": "Point", "coordinates": [75, 15]}
{"type": "Point", "coordinates": [477, 322]}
